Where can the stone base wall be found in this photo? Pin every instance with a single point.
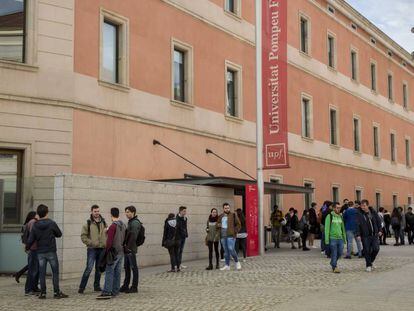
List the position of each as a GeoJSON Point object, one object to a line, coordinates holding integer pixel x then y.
{"type": "Point", "coordinates": [74, 194]}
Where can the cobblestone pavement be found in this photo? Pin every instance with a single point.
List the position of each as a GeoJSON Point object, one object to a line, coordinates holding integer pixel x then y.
{"type": "Point", "coordinates": [281, 279]}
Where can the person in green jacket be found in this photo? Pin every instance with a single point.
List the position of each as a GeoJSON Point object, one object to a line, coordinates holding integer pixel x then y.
{"type": "Point", "coordinates": [335, 235]}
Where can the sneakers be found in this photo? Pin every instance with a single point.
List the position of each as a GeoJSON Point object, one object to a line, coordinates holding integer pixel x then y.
{"type": "Point", "coordinates": [104, 296]}
{"type": "Point", "coordinates": [225, 268]}
{"type": "Point", "coordinates": [306, 249]}
{"type": "Point", "coordinates": [123, 289]}
{"type": "Point", "coordinates": [60, 295]}
{"type": "Point", "coordinates": [238, 265]}
{"type": "Point", "coordinates": [183, 267]}
{"type": "Point", "coordinates": [222, 260]}
{"type": "Point", "coordinates": [210, 267]}
{"type": "Point", "coordinates": [97, 289]}
{"type": "Point", "coordinates": [348, 257]}
{"type": "Point", "coordinates": [42, 296]}
{"type": "Point", "coordinates": [81, 290]}
{"type": "Point", "coordinates": [336, 270]}
{"type": "Point", "coordinates": [132, 290]}
{"type": "Point", "coordinates": [368, 269]}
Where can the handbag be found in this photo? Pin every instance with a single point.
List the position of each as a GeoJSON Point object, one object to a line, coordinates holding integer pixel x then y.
{"type": "Point", "coordinates": [169, 243]}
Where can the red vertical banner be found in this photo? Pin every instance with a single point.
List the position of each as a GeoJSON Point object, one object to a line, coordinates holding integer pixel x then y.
{"type": "Point", "coordinates": [274, 84]}
{"type": "Point", "coordinates": [252, 220]}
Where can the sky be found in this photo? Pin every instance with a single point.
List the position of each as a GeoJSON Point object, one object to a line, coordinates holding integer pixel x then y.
{"type": "Point", "coordinates": [394, 17]}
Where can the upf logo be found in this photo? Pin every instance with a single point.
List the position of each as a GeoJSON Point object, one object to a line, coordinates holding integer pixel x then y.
{"type": "Point", "coordinates": [275, 155]}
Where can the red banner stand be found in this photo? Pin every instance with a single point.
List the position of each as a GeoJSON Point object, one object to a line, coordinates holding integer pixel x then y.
{"type": "Point", "coordinates": [252, 221]}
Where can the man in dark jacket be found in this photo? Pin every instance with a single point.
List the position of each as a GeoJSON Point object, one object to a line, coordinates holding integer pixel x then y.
{"type": "Point", "coordinates": [409, 218]}
{"type": "Point", "coordinates": [369, 229]}
{"type": "Point", "coordinates": [181, 234]}
{"type": "Point", "coordinates": [130, 257]}
{"type": "Point", "coordinates": [44, 232]}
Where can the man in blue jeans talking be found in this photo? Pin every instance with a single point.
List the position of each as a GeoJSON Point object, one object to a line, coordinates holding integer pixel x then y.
{"type": "Point", "coordinates": [44, 232]}
{"type": "Point", "coordinates": [229, 225]}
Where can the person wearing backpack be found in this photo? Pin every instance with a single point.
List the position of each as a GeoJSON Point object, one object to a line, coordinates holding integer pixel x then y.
{"type": "Point", "coordinates": [130, 250]}
{"type": "Point", "coordinates": [169, 242]}
{"type": "Point", "coordinates": [335, 235]}
{"type": "Point", "coordinates": [93, 235]}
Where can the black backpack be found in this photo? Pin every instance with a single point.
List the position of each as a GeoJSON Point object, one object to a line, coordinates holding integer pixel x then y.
{"type": "Point", "coordinates": [141, 235]}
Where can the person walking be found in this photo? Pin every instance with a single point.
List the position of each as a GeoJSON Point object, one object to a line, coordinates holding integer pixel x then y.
{"type": "Point", "coordinates": [114, 252]}
{"type": "Point", "coordinates": [229, 225]}
{"type": "Point", "coordinates": [383, 238]}
{"type": "Point", "coordinates": [350, 220]}
{"type": "Point", "coordinates": [403, 225]}
{"type": "Point", "coordinates": [169, 242]}
{"type": "Point", "coordinates": [32, 280]}
{"type": "Point", "coordinates": [324, 211]}
{"type": "Point", "coordinates": [212, 239]}
{"type": "Point", "coordinates": [44, 233]}
{"type": "Point", "coordinates": [313, 224]}
{"type": "Point", "coordinates": [130, 251]}
{"type": "Point", "coordinates": [335, 235]}
{"type": "Point", "coordinates": [409, 218]}
{"type": "Point", "coordinates": [387, 221]}
{"type": "Point", "coordinates": [241, 238]}
{"type": "Point", "coordinates": [304, 228]}
{"type": "Point", "coordinates": [93, 235]}
{"type": "Point", "coordinates": [369, 231]}
{"type": "Point", "coordinates": [181, 234]}
{"type": "Point", "coordinates": [276, 219]}
{"type": "Point", "coordinates": [396, 225]}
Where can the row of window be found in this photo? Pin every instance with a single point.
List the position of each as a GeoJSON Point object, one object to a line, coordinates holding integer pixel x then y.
{"type": "Point", "coordinates": [354, 70]}
{"type": "Point", "coordinates": [307, 132]}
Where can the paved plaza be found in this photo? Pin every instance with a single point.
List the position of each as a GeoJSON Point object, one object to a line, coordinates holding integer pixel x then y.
{"type": "Point", "coordinates": [281, 280]}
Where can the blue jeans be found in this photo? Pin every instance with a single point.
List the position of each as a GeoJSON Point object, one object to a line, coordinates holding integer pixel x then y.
{"type": "Point", "coordinates": [32, 279]}
{"type": "Point", "coordinates": [180, 252]}
{"type": "Point", "coordinates": [93, 257]}
{"type": "Point", "coordinates": [130, 263]}
{"type": "Point", "coordinates": [113, 277]}
{"type": "Point", "coordinates": [228, 245]}
{"type": "Point", "coordinates": [52, 258]}
{"type": "Point", "coordinates": [336, 247]}
{"type": "Point", "coordinates": [350, 236]}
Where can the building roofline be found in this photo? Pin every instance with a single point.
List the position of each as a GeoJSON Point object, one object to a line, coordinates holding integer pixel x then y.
{"type": "Point", "coordinates": [349, 11]}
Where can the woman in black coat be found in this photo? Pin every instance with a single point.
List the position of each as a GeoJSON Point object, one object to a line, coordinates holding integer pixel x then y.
{"type": "Point", "coordinates": [169, 242]}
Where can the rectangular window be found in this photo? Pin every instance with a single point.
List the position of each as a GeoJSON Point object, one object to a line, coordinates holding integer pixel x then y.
{"type": "Point", "coordinates": [233, 90]}
{"type": "Point", "coordinates": [308, 196]}
{"type": "Point", "coordinates": [358, 195]}
{"type": "Point", "coordinates": [304, 35]}
{"type": "Point", "coordinates": [357, 142]}
{"type": "Point", "coordinates": [373, 77]}
{"type": "Point", "coordinates": [405, 96]}
{"type": "Point", "coordinates": [392, 145]}
{"type": "Point", "coordinates": [233, 6]}
{"type": "Point", "coordinates": [335, 194]}
{"type": "Point", "coordinates": [13, 30]}
{"type": "Point", "coordinates": [376, 142]}
{"type": "Point", "coordinates": [110, 48]}
{"type": "Point", "coordinates": [377, 200]}
{"type": "Point", "coordinates": [390, 88]}
{"type": "Point", "coordinates": [354, 65]}
{"type": "Point", "coordinates": [179, 75]}
{"type": "Point", "coordinates": [11, 167]}
{"type": "Point", "coordinates": [410, 201]}
{"type": "Point", "coordinates": [394, 201]}
{"type": "Point", "coordinates": [331, 51]}
{"type": "Point", "coordinates": [407, 152]}
{"type": "Point", "coordinates": [306, 118]}
{"type": "Point", "coordinates": [333, 127]}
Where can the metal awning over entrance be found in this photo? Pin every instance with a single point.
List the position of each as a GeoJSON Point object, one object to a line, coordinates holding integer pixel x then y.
{"type": "Point", "coordinates": [239, 184]}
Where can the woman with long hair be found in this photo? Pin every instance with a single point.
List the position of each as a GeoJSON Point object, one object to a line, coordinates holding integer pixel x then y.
{"type": "Point", "coordinates": [212, 239]}
{"type": "Point", "coordinates": [169, 242]}
{"type": "Point", "coordinates": [30, 215]}
{"type": "Point", "coordinates": [241, 238]}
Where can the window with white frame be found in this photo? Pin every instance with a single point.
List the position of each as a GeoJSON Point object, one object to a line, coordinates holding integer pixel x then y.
{"type": "Point", "coordinates": [331, 51]}
{"type": "Point", "coordinates": [394, 200]}
{"type": "Point", "coordinates": [276, 198]}
{"type": "Point", "coordinates": [304, 34]}
{"type": "Point", "coordinates": [358, 194]}
{"type": "Point", "coordinates": [13, 30]}
{"type": "Point", "coordinates": [408, 152]}
{"type": "Point", "coordinates": [410, 200]}
{"type": "Point", "coordinates": [308, 196]}
{"type": "Point", "coordinates": [390, 87]}
{"type": "Point", "coordinates": [377, 200]}
{"type": "Point", "coordinates": [333, 126]}
{"type": "Point", "coordinates": [357, 134]}
{"type": "Point", "coordinates": [354, 65]}
{"type": "Point", "coordinates": [373, 77]}
{"type": "Point", "coordinates": [114, 57]}
{"type": "Point", "coordinates": [393, 148]}
{"type": "Point", "coordinates": [405, 95]}
{"type": "Point", "coordinates": [335, 193]}
{"type": "Point", "coordinates": [182, 72]}
{"type": "Point", "coordinates": [376, 141]}
{"type": "Point", "coordinates": [233, 90]}
{"type": "Point", "coordinates": [233, 7]}
{"type": "Point", "coordinates": [307, 117]}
